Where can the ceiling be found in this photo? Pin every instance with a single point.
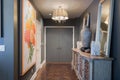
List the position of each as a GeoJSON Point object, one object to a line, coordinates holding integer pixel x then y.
{"type": "Point", "coordinates": [74, 7]}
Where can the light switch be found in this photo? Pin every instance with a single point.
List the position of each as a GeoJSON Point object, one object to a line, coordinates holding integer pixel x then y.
{"type": "Point", "coordinates": [2, 47]}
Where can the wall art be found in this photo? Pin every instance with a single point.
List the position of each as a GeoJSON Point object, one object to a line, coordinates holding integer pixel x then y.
{"type": "Point", "coordinates": [28, 36]}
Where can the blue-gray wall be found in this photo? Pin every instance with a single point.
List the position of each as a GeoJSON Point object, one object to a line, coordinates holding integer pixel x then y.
{"type": "Point", "coordinates": [70, 22]}
{"type": "Point", "coordinates": [93, 10]}
{"type": "Point", "coordinates": [7, 57]}
{"type": "Point", "coordinates": [78, 22]}
{"type": "Point", "coordinates": [115, 44]}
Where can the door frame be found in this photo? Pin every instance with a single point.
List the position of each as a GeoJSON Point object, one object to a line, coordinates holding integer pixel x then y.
{"type": "Point", "coordinates": [54, 27]}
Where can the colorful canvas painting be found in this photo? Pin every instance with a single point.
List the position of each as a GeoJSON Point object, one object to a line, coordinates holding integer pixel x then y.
{"type": "Point", "coordinates": [28, 36]}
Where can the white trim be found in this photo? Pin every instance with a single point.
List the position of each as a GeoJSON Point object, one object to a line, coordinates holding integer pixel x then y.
{"type": "Point", "coordinates": [97, 37]}
{"type": "Point", "coordinates": [35, 74]}
{"type": "Point", "coordinates": [110, 28]}
{"type": "Point", "coordinates": [107, 53]}
{"type": "Point", "coordinates": [73, 37]}
{"type": "Point", "coordinates": [45, 44]}
{"type": "Point", "coordinates": [57, 27]}
{"type": "Point", "coordinates": [41, 65]}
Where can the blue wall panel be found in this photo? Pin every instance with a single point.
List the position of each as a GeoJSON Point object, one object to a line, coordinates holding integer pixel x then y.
{"type": "Point", "coordinates": [7, 57]}
{"type": "Point", "coordinates": [115, 44]}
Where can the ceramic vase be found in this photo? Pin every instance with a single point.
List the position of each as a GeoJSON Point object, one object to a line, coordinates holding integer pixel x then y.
{"type": "Point", "coordinates": [86, 37]}
{"type": "Point", "coordinates": [86, 33]}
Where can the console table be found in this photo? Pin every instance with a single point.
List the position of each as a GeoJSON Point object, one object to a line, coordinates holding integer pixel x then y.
{"type": "Point", "coordinates": [89, 67]}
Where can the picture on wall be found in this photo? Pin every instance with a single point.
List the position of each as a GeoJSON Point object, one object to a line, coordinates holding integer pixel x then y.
{"type": "Point", "coordinates": [28, 36]}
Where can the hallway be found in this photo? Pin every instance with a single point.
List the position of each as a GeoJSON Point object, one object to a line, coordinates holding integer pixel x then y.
{"type": "Point", "coordinates": [57, 72]}
{"type": "Point", "coordinates": [59, 39]}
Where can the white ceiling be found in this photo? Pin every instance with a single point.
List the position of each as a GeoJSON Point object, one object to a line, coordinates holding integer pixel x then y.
{"type": "Point", "coordinates": [74, 7]}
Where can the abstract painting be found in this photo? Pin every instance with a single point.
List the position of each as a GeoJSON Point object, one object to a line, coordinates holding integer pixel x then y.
{"type": "Point", "coordinates": [28, 36]}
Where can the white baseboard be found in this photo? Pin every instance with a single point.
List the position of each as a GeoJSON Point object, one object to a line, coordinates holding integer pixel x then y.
{"type": "Point", "coordinates": [35, 74]}
{"type": "Point", "coordinates": [41, 65]}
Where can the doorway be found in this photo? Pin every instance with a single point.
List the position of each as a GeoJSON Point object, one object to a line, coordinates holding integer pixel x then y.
{"type": "Point", "coordinates": [59, 43]}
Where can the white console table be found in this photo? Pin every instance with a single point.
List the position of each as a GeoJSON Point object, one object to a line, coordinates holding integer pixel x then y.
{"type": "Point", "coordinates": [89, 67]}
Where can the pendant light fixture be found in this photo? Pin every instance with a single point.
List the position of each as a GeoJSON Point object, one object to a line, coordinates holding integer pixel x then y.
{"type": "Point", "coordinates": [60, 14]}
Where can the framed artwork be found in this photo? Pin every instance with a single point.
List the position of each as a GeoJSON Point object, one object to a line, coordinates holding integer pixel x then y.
{"type": "Point", "coordinates": [28, 36]}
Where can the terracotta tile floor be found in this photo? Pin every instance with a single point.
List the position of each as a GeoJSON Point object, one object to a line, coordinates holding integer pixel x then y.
{"type": "Point", "coordinates": [58, 72]}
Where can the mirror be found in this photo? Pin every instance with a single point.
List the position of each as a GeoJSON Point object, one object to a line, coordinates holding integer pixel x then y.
{"type": "Point", "coordinates": [104, 26]}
